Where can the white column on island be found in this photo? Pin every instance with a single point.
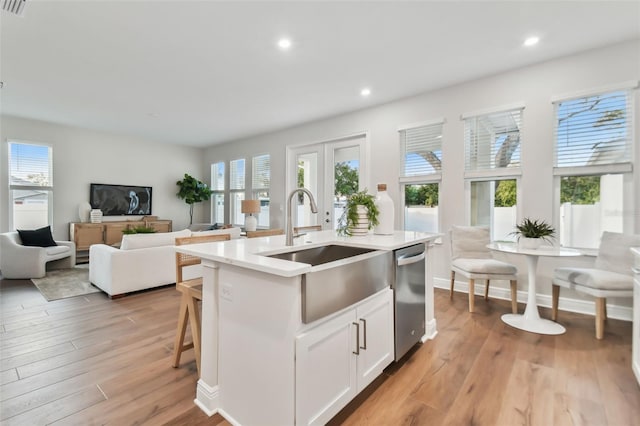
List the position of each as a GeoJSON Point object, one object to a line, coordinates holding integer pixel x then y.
{"type": "Point", "coordinates": [207, 392]}
{"type": "Point", "coordinates": [430, 328]}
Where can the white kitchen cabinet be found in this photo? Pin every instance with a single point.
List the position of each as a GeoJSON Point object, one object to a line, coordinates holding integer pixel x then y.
{"type": "Point", "coordinates": [338, 358]}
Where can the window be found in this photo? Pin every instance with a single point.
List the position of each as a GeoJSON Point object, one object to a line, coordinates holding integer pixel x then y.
{"type": "Point", "coordinates": [260, 183]}
{"type": "Point", "coordinates": [421, 173]}
{"type": "Point", "coordinates": [30, 185]}
{"type": "Point", "coordinates": [592, 163]}
{"type": "Point", "coordinates": [217, 195]}
{"type": "Point", "coordinates": [236, 190]}
{"type": "Point", "coordinates": [492, 166]}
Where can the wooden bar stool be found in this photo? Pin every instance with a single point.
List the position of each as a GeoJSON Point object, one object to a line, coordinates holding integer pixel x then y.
{"type": "Point", "coordinates": [265, 233]}
{"type": "Point", "coordinates": [191, 293]}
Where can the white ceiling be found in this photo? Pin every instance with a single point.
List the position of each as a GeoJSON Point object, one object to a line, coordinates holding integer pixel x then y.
{"type": "Point", "coordinates": [205, 72]}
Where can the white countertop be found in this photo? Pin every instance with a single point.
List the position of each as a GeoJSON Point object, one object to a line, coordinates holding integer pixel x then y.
{"type": "Point", "coordinates": [245, 252]}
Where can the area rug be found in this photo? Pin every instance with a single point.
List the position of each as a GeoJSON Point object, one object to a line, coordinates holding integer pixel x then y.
{"type": "Point", "coordinates": [63, 283]}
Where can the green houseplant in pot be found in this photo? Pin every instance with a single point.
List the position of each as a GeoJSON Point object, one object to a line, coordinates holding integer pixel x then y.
{"type": "Point", "coordinates": [192, 191]}
{"type": "Point", "coordinates": [360, 214]}
{"type": "Point", "coordinates": [532, 232]}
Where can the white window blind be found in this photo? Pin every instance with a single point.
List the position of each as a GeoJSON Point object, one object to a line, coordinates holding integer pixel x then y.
{"type": "Point", "coordinates": [422, 150]}
{"type": "Point", "coordinates": [30, 165]}
{"type": "Point", "coordinates": [492, 141]}
{"type": "Point", "coordinates": [594, 130]}
{"type": "Point", "coordinates": [261, 177]}
{"type": "Point", "coordinates": [217, 176]}
{"type": "Point", "coordinates": [236, 174]}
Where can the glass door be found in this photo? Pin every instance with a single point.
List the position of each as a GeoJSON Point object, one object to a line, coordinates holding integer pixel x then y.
{"type": "Point", "coordinates": [332, 171]}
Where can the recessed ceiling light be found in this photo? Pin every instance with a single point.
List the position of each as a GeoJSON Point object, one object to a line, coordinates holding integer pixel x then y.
{"type": "Point", "coordinates": [531, 41]}
{"type": "Point", "coordinates": [284, 44]}
{"type": "Point", "coordinates": [365, 92]}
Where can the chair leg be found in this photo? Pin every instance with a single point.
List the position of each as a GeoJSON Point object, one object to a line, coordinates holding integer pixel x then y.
{"type": "Point", "coordinates": [514, 296]}
{"type": "Point", "coordinates": [183, 317]}
{"type": "Point", "coordinates": [486, 291]}
{"type": "Point", "coordinates": [600, 309]}
{"type": "Point", "coordinates": [555, 296]}
{"type": "Point", "coordinates": [606, 317]}
{"type": "Point", "coordinates": [453, 278]}
{"type": "Point", "coordinates": [194, 322]}
{"type": "Point", "coordinates": [471, 295]}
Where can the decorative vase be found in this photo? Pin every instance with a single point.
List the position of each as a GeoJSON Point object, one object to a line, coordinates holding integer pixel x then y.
{"type": "Point", "coordinates": [96, 216]}
{"type": "Point", "coordinates": [361, 226]}
{"type": "Point", "coordinates": [84, 211]}
{"type": "Point", "coordinates": [529, 243]}
{"type": "Point", "coordinates": [385, 207]}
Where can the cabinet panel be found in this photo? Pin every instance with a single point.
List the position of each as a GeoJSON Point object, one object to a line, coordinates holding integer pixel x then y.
{"type": "Point", "coordinates": [160, 225]}
{"type": "Point", "coordinates": [86, 234]}
{"type": "Point", "coordinates": [376, 338]}
{"type": "Point", "coordinates": [325, 369]}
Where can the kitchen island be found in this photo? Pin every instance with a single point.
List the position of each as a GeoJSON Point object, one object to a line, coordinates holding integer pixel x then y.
{"type": "Point", "coordinates": [261, 363]}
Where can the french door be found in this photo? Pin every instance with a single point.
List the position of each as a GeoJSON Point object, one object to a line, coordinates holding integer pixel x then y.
{"type": "Point", "coordinates": [331, 170]}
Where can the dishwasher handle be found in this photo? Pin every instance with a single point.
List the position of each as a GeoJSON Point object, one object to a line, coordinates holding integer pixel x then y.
{"type": "Point", "coordinates": [411, 259]}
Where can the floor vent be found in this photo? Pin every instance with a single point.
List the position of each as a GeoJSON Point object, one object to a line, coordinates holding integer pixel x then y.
{"type": "Point", "coordinates": [14, 6]}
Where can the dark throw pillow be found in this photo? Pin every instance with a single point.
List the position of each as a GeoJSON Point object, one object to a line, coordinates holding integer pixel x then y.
{"type": "Point", "coordinates": [38, 237]}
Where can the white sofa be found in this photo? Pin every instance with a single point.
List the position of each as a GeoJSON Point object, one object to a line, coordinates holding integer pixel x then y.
{"type": "Point", "coordinates": [24, 262]}
{"type": "Point", "coordinates": [143, 261]}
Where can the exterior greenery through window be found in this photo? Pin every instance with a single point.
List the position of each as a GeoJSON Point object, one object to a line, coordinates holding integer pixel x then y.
{"type": "Point", "coordinates": [592, 160]}
{"type": "Point", "coordinates": [492, 165]}
{"type": "Point", "coordinates": [421, 173]}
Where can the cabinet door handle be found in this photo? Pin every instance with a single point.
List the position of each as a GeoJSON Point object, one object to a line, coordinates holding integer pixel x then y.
{"type": "Point", "coordinates": [364, 332]}
{"type": "Point", "coordinates": [357, 351]}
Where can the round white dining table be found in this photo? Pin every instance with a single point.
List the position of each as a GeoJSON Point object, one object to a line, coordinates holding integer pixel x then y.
{"type": "Point", "coordinates": [530, 320]}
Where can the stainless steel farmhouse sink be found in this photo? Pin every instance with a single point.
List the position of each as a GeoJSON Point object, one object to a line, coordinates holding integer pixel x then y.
{"type": "Point", "coordinates": [323, 254]}
{"type": "Point", "coordinates": [340, 276]}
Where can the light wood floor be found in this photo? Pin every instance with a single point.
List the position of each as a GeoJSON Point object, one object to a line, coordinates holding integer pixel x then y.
{"type": "Point", "coordinates": [90, 360]}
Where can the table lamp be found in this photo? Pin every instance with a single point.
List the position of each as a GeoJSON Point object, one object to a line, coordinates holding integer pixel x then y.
{"type": "Point", "coordinates": [250, 207]}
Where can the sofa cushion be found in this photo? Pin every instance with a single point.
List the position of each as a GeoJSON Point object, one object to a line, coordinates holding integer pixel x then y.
{"type": "Point", "coordinates": [137, 241]}
{"type": "Point", "coordinates": [595, 278]}
{"type": "Point", "coordinates": [38, 237]}
{"type": "Point", "coordinates": [484, 266]}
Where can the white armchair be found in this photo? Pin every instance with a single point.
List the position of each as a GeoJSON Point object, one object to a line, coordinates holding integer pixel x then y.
{"type": "Point", "coordinates": [23, 262]}
{"type": "Point", "coordinates": [611, 276]}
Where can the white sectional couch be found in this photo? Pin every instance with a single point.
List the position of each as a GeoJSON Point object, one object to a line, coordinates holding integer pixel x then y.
{"type": "Point", "coordinates": [143, 261]}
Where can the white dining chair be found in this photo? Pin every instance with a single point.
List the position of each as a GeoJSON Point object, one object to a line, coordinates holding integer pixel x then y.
{"type": "Point", "coordinates": [611, 276]}
{"type": "Point", "coordinates": [471, 258]}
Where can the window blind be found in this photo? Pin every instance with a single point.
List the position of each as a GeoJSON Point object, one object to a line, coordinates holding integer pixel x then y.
{"type": "Point", "coordinates": [236, 174]}
{"type": "Point", "coordinates": [492, 141]}
{"type": "Point", "coordinates": [261, 176]}
{"type": "Point", "coordinates": [30, 165]}
{"type": "Point", "coordinates": [217, 176]}
{"type": "Point", "coordinates": [594, 130]}
{"type": "Point", "coordinates": [422, 150]}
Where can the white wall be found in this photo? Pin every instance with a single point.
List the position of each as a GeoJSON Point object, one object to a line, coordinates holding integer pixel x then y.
{"type": "Point", "coordinates": [533, 86]}
{"type": "Point", "coordinates": [81, 157]}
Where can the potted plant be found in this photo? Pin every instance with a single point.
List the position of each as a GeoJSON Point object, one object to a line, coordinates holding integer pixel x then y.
{"type": "Point", "coordinates": [192, 191]}
{"type": "Point", "coordinates": [360, 214]}
{"type": "Point", "coordinates": [139, 230]}
{"type": "Point", "coordinates": [531, 233]}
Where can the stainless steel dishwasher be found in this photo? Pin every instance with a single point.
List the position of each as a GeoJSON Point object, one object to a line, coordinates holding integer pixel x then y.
{"type": "Point", "coordinates": [408, 294]}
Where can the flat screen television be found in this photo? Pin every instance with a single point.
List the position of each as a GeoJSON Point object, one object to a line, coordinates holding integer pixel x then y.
{"type": "Point", "coordinates": [119, 200]}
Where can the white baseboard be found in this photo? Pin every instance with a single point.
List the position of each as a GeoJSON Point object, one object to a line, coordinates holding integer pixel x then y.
{"type": "Point", "coordinates": [207, 398]}
{"type": "Point", "coordinates": [587, 307]}
{"type": "Point", "coordinates": [430, 331]}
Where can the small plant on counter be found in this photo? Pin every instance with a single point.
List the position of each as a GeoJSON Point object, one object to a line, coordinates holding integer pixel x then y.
{"type": "Point", "coordinates": [139, 230]}
{"type": "Point", "coordinates": [350, 218]}
{"type": "Point", "coordinates": [533, 228]}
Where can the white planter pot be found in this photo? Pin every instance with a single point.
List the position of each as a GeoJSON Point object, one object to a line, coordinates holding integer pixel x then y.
{"type": "Point", "coordinates": [361, 227]}
{"type": "Point", "coordinates": [529, 243]}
